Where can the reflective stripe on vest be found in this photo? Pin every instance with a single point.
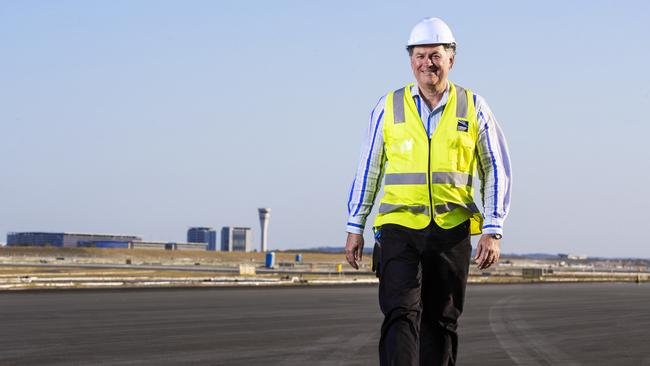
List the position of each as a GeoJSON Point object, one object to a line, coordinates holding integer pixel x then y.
{"type": "Point", "coordinates": [447, 207]}
{"type": "Point", "coordinates": [456, 179]}
{"type": "Point", "coordinates": [461, 102]}
{"type": "Point", "coordinates": [398, 106]}
{"type": "Point", "coordinates": [405, 178]}
{"type": "Point", "coordinates": [387, 207]}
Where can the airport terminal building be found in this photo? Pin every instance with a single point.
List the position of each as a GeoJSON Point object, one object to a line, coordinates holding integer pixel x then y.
{"type": "Point", "coordinates": [70, 240]}
{"type": "Point", "coordinates": [75, 240]}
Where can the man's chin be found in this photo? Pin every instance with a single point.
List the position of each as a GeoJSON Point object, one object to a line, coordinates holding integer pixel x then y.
{"type": "Point", "coordinates": [430, 83]}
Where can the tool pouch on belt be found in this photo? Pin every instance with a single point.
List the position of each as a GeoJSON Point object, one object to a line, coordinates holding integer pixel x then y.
{"type": "Point", "coordinates": [376, 254]}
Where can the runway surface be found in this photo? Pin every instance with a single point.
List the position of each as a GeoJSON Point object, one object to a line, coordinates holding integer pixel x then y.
{"type": "Point", "coordinates": [559, 324]}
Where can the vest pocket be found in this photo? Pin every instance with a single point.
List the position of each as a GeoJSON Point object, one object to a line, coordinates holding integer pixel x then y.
{"type": "Point", "coordinates": [461, 152]}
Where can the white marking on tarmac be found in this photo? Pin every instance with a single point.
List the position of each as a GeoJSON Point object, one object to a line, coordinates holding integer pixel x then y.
{"type": "Point", "coordinates": [520, 341]}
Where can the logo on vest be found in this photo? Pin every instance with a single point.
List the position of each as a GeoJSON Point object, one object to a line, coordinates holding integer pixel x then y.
{"type": "Point", "coordinates": [463, 125]}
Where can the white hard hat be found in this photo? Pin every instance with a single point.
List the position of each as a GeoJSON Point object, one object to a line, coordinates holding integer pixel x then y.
{"type": "Point", "coordinates": [431, 31]}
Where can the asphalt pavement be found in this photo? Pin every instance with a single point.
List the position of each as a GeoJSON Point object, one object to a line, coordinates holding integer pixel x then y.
{"type": "Point", "coordinates": [541, 324]}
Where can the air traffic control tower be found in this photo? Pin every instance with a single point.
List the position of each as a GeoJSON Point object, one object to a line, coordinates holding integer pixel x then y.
{"type": "Point", "coordinates": [265, 213]}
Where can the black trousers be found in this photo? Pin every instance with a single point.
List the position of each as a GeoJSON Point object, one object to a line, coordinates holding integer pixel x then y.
{"type": "Point", "coordinates": [422, 279]}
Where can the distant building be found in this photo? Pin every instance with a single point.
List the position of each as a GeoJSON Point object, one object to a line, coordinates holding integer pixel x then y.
{"type": "Point", "coordinates": [114, 244]}
{"type": "Point", "coordinates": [578, 257]}
{"type": "Point", "coordinates": [70, 240]}
{"type": "Point", "coordinates": [532, 273]}
{"type": "Point", "coordinates": [203, 235]}
{"type": "Point", "coordinates": [165, 245]}
{"type": "Point", "coordinates": [236, 239]}
{"type": "Point", "coordinates": [573, 256]}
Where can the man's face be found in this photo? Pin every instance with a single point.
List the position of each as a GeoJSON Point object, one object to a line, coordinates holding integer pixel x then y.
{"type": "Point", "coordinates": [431, 65]}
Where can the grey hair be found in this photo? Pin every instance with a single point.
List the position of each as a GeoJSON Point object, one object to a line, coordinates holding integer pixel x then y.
{"type": "Point", "coordinates": [448, 46]}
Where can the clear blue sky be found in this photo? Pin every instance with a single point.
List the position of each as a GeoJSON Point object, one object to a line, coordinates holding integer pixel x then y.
{"type": "Point", "coordinates": [147, 117]}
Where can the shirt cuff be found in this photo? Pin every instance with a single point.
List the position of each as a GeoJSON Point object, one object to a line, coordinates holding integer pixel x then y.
{"type": "Point", "coordinates": [493, 225]}
{"type": "Point", "coordinates": [354, 228]}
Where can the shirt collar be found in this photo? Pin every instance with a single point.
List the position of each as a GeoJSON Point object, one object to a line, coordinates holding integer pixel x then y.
{"type": "Point", "coordinates": [415, 91]}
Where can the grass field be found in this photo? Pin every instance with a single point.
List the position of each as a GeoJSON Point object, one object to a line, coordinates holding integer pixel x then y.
{"type": "Point", "coordinates": [163, 255]}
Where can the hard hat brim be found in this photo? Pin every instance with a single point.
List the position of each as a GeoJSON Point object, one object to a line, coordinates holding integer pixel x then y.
{"type": "Point", "coordinates": [427, 43]}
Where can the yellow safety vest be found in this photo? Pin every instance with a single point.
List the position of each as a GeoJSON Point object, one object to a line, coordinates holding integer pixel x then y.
{"type": "Point", "coordinates": [424, 177]}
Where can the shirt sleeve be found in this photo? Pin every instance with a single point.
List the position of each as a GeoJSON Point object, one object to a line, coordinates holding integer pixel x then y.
{"type": "Point", "coordinates": [494, 169]}
{"type": "Point", "coordinates": [369, 173]}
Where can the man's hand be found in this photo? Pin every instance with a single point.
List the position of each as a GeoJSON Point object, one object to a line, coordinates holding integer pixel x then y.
{"type": "Point", "coordinates": [487, 251]}
{"type": "Point", "coordinates": [354, 249]}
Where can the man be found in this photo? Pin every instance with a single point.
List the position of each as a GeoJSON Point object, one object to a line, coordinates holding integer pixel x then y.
{"type": "Point", "coordinates": [427, 140]}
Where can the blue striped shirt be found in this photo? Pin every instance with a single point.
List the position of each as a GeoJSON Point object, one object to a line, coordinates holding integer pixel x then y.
{"type": "Point", "coordinates": [493, 164]}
